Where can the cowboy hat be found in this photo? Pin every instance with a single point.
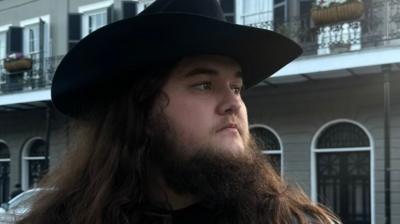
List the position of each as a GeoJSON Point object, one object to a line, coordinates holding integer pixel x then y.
{"type": "Point", "coordinates": [167, 30]}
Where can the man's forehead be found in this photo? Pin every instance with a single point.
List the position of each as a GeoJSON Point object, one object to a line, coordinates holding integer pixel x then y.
{"type": "Point", "coordinates": [207, 64]}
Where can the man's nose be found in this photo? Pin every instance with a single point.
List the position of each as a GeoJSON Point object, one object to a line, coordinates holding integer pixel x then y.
{"type": "Point", "coordinates": [230, 102]}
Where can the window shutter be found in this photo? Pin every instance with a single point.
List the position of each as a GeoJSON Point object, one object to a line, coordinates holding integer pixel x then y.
{"type": "Point", "coordinates": [14, 40]}
{"type": "Point", "coordinates": [110, 14]}
{"type": "Point", "coordinates": [74, 29]}
{"type": "Point", "coordinates": [41, 35]}
{"type": "Point", "coordinates": [41, 45]}
{"type": "Point", "coordinates": [129, 9]}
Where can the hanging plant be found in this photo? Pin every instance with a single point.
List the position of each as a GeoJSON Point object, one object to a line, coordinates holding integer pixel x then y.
{"type": "Point", "coordinates": [325, 14]}
{"type": "Point", "coordinates": [16, 63]}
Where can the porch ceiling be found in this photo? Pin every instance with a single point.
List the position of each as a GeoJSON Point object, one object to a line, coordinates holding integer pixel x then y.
{"type": "Point", "coordinates": [355, 63]}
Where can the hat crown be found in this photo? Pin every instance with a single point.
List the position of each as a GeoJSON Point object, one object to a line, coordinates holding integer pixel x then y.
{"type": "Point", "coordinates": [207, 8]}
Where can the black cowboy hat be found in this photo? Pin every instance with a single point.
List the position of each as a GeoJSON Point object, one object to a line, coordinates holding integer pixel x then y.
{"type": "Point", "coordinates": [167, 30]}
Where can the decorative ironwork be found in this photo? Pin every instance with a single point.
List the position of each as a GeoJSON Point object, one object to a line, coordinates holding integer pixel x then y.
{"type": "Point", "coordinates": [38, 148]}
{"type": "Point", "coordinates": [343, 184]}
{"type": "Point", "coordinates": [39, 76]}
{"type": "Point", "coordinates": [37, 169]}
{"type": "Point", "coordinates": [342, 135]}
{"type": "Point", "coordinates": [379, 25]}
{"type": "Point", "coordinates": [265, 139]}
{"type": "Point", "coordinates": [4, 152]}
{"type": "Point", "coordinates": [4, 181]}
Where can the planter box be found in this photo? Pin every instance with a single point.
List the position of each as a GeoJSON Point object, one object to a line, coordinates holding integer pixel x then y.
{"type": "Point", "coordinates": [15, 65]}
{"type": "Point", "coordinates": [337, 13]}
{"type": "Point", "coordinates": [339, 48]}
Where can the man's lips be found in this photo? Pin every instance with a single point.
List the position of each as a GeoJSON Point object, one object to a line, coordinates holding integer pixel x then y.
{"type": "Point", "coordinates": [228, 127]}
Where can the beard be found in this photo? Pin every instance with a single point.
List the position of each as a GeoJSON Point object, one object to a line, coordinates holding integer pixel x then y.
{"type": "Point", "coordinates": [238, 184]}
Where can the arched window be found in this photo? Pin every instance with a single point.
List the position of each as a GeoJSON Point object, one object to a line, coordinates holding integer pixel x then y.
{"type": "Point", "coordinates": [268, 141]}
{"type": "Point", "coordinates": [341, 170]}
{"type": "Point", "coordinates": [4, 172]}
{"type": "Point", "coordinates": [34, 162]}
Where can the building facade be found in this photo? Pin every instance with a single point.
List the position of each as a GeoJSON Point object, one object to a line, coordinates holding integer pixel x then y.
{"type": "Point", "coordinates": [329, 121]}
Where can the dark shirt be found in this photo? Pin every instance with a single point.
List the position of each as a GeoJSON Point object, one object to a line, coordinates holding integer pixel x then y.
{"type": "Point", "coordinates": [193, 214]}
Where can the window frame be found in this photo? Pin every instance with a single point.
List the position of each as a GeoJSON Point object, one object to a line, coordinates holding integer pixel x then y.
{"type": "Point", "coordinates": [272, 152]}
{"type": "Point", "coordinates": [370, 149]}
{"type": "Point", "coordinates": [90, 10]}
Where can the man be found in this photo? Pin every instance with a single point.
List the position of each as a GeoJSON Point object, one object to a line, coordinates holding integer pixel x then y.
{"type": "Point", "coordinates": [161, 129]}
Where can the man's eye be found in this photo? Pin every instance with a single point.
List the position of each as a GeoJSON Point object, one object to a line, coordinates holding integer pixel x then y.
{"type": "Point", "coordinates": [203, 86]}
{"type": "Point", "coordinates": [237, 89]}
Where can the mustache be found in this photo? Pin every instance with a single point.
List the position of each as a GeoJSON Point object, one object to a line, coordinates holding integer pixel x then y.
{"type": "Point", "coordinates": [231, 122]}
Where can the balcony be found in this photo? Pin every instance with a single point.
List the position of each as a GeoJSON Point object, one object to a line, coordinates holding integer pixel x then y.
{"type": "Point", "coordinates": [30, 73]}
{"type": "Point", "coordinates": [378, 26]}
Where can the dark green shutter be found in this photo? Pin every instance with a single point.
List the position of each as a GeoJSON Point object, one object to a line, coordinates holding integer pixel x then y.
{"type": "Point", "coordinates": [14, 40]}
{"type": "Point", "coordinates": [110, 14]}
{"type": "Point", "coordinates": [129, 9]}
{"type": "Point", "coordinates": [74, 29]}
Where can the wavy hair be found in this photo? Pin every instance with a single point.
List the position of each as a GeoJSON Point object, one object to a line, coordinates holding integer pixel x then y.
{"type": "Point", "coordinates": [102, 178]}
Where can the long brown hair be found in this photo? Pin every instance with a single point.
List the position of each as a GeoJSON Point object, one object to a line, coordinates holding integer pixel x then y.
{"type": "Point", "coordinates": [102, 178]}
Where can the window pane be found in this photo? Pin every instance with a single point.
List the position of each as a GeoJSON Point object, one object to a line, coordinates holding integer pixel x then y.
{"type": "Point", "coordinates": [265, 138]}
{"type": "Point", "coordinates": [38, 148]}
{"type": "Point", "coordinates": [279, 14]}
{"type": "Point", "coordinates": [343, 135]}
{"type": "Point", "coordinates": [2, 46]}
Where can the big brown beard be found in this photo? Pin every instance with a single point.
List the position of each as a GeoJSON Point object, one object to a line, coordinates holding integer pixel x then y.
{"type": "Point", "coordinates": [239, 184]}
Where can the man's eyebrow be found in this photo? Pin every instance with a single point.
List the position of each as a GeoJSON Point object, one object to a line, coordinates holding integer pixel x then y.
{"type": "Point", "coordinates": [207, 71]}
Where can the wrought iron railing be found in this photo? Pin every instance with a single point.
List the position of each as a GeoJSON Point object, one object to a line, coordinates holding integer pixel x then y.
{"type": "Point", "coordinates": [379, 25]}
{"type": "Point", "coordinates": [37, 76]}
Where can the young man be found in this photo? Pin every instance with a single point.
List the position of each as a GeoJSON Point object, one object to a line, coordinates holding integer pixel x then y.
{"type": "Point", "coordinates": [161, 128]}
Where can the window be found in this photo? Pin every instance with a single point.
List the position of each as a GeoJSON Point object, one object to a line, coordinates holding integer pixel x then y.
{"type": "Point", "coordinates": [4, 172]}
{"type": "Point", "coordinates": [257, 13]}
{"type": "Point", "coordinates": [95, 16]}
{"type": "Point", "coordinates": [31, 37]}
{"type": "Point", "coordinates": [269, 143]}
{"type": "Point", "coordinates": [34, 162]}
{"type": "Point", "coordinates": [280, 14]}
{"type": "Point", "coordinates": [93, 21]}
{"type": "Point", "coordinates": [96, 20]}
{"type": "Point", "coordinates": [2, 46]}
{"type": "Point", "coordinates": [342, 167]}
{"type": "Point", "coordinates": [2, 55]}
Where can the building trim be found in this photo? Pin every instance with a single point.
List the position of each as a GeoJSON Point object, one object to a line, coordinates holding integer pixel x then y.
{"type": "Point", "coordinates": [27, 22]}
{"type": "Point", "coordinates": [314, 151]}
{"type": "Point", "coordinates": [25, 97]}
{"type": "Point", "coordinates": [95, 6]}
{"type": "Point", "coordinates": [5, 27]}
{"type": "Point", "coordinates": [272, 152]}
{"type": "Point", "coordinates": [354, 59]}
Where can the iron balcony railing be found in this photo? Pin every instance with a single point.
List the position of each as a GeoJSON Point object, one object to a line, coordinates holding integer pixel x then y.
{"type": "Point", "coordinates": [31, 72]}
{"type": "Point", "coordinates": [379, 25]}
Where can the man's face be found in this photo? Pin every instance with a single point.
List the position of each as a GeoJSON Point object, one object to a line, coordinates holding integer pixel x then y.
{"type": "Point", "coordinates": [204, 106]}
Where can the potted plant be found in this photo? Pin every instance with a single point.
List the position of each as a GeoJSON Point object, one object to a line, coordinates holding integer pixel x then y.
{"type": "Point", "coordinates": [17, 62]}
{"type": "Point", "coordinates": [334, 12]}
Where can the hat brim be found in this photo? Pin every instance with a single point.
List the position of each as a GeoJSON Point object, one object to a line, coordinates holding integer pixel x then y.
{"type": "Point", "coordinates": [148, 40]}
